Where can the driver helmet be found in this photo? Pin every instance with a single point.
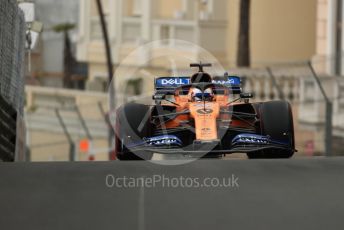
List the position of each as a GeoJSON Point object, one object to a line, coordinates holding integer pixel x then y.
{"type": "Point", "coordinates": [197, 95]}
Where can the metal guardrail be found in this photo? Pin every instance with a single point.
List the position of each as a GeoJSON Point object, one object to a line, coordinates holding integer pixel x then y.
{"type": "Point", "coordinates": [8, 129]}
{"type": "Point", "coordinates": [12, 51]}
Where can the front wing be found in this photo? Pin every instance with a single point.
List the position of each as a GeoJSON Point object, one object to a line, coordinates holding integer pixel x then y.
{"type": "Point", "coordinates": [241, 143]}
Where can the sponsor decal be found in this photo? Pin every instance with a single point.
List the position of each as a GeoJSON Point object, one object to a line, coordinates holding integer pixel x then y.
{"type": "Point", "coordinates": [204, 111]}
{"type": "Point", "coordinates": [231, 81]}
{"type": "Point", "coordinates": [206, 131]}
{"type": "Point", "coordinates": [250, 139]}
{"type": "Point", "coordinates": [172, 82]}
{"type": "Point", "coordinates": [169, 140]}
{"type": "Point", "coordinates": [201, 105]}
{"type": "Point", "coordinates": [163, 140]}
{"type": "Point", "coordinates": [246, 138]}
{"type": "Point", "coordinates": [179, 81]}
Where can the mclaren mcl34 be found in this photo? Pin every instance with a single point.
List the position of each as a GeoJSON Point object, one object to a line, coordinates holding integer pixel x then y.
{"type": "Point", "coordinates": [203, 116]}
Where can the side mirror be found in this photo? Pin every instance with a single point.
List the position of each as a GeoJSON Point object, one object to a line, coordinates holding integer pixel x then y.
{"type": "Point", "coordinates": [246, 95]}
{"type": "Point", "coordinates": [159, 97]}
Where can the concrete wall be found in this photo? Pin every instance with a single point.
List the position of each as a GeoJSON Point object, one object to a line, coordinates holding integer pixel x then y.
{"type": "Point", "coordinates": [46, 138]}
{"type": "Point", "coordinates": [47, 146]}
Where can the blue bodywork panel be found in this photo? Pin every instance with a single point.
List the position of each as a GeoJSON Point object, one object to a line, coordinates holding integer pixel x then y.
{"type": "Point", "coordinates": [167, 85]}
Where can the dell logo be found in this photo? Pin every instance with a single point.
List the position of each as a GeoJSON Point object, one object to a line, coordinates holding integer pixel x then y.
{"type": "Point", "coordinates": [174, 81]}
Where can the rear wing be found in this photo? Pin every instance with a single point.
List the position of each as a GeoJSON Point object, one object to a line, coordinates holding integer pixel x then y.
{"type": "Point", "coordinates": [167, 85]}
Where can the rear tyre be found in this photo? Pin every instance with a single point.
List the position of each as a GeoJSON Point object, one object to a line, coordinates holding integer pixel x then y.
{"type": "Point", "coordinates": [277, 122]}
{"type": "Point", "coordinates": [132, 126]}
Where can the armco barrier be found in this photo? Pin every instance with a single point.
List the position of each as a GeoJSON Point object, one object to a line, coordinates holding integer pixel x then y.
{"type": "Point", "coordinates": [12, 64]}
{"type": "Point", "coordinates": [12, 51]}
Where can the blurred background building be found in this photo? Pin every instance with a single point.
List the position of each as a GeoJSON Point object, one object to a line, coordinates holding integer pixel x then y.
{"type": "Point", "coordinates": [329, 38]}
{"type": "Point", "coordinates": [281, 31]}
{"type": "Point", "coordinates": [48, 59]}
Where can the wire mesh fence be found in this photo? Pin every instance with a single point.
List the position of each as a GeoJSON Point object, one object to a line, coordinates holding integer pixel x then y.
{"type": "Point", "coordinates": [12, 51]}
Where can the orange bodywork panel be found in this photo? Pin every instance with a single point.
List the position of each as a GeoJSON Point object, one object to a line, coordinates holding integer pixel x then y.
{"type": "Point", "coordinates": [205, 116]}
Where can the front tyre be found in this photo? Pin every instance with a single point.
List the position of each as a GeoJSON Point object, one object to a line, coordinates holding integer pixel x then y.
{"type": "Point", "coordinates": [276, 121]}
{"type": "Point", "coordinates": [132, 126]}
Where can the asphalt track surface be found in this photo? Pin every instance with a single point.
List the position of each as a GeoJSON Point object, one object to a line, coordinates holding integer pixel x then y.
{"type": "Point", "coordinates": [272, 194]}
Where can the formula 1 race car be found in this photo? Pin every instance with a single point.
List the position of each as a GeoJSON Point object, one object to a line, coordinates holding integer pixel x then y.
{"type": "Point", "coordinates": [204, 116]}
